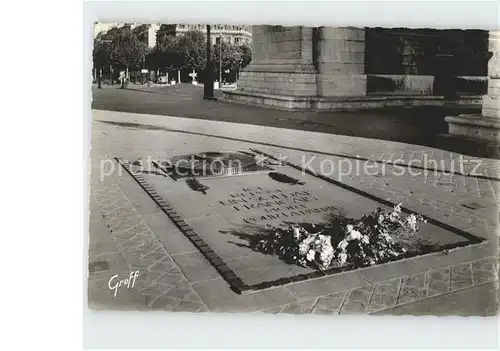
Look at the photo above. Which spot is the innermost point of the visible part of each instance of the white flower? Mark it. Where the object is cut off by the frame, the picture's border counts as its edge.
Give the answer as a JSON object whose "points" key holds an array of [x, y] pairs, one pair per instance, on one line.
{"points": [[310, 255], [342, 258], [381, 219], [397, 208], [412, 222], [343, 244], [387, 237], [372, 262], [355, 235], [296, 232], [305, 245], [326, 254], [365, 239], [393, 216], [349, 228]]}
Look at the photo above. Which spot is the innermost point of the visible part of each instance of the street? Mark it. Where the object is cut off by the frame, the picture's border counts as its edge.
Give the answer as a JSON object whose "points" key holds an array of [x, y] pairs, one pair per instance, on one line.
{"points": [[420, 126]]}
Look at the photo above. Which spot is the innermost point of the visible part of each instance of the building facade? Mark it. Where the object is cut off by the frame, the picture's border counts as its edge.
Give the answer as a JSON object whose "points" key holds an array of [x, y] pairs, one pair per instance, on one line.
{"points": [[234, 34], [150, 30]]}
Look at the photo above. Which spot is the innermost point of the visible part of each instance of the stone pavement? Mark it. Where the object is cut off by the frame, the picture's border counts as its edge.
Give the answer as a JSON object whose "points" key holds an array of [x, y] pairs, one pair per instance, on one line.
{"points": [[161, 284], [178, 278]]}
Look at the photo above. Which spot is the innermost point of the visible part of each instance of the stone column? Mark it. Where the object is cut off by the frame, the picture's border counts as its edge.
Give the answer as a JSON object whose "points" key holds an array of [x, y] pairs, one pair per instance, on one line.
{"points": [[341, 62], [491, 101], [282, 62], [485, 127]]}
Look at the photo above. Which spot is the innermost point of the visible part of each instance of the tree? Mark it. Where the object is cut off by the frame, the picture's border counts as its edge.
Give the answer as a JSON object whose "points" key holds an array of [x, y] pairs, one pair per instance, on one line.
{"points": [[246, 55], [165, 30], [141, 32], [192, 46], [231, 58], [101, 53], [101, 57], [167, 53], [126, 50]]}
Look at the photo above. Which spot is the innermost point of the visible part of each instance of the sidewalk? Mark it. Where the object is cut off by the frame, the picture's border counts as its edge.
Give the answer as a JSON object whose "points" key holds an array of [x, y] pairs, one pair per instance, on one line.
{"points": [[435, 279], [321, 143]]}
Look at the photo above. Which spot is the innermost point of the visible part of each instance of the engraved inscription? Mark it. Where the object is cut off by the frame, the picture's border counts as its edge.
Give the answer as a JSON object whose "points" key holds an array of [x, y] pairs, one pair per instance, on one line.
{"points": [[272, 204]]}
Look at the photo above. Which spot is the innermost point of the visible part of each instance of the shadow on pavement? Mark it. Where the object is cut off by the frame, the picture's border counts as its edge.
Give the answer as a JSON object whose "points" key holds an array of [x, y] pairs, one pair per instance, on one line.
{"points": [[423, 126]]}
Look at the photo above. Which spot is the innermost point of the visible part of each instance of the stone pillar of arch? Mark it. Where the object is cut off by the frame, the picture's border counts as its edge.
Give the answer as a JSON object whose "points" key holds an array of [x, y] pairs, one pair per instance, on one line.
{"points": [[302, 68], [340, 61], [486, 126], [282, 65]]}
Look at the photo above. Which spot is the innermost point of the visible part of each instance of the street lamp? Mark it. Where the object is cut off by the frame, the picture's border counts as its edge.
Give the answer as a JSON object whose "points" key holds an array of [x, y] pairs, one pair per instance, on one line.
{"points": [[208, 86], [220, 59]]}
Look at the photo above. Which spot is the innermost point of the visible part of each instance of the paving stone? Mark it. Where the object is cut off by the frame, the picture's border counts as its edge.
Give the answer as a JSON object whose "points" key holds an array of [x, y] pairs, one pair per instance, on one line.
{"points": [[174, 279], [163, 265], [121, 226], [385, 294], [171, 237], [484, 270], [193, 297], [273, 310], [195, 266], [327, 285], [329, 304], [438, 282], [137, 263], [156, 289], [203, 308], [301, 307], [101, 297], [107, 265], [218, 297], [179, 293], [166, 303], [479, 300], [154, 275], [357, 300], [412, 288], [453, 257], [120, 216], [461, 276], [134, 228], [100, 239], [387, 271], [140, 244], [188, 306], [116, 204], [157, 255]]}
